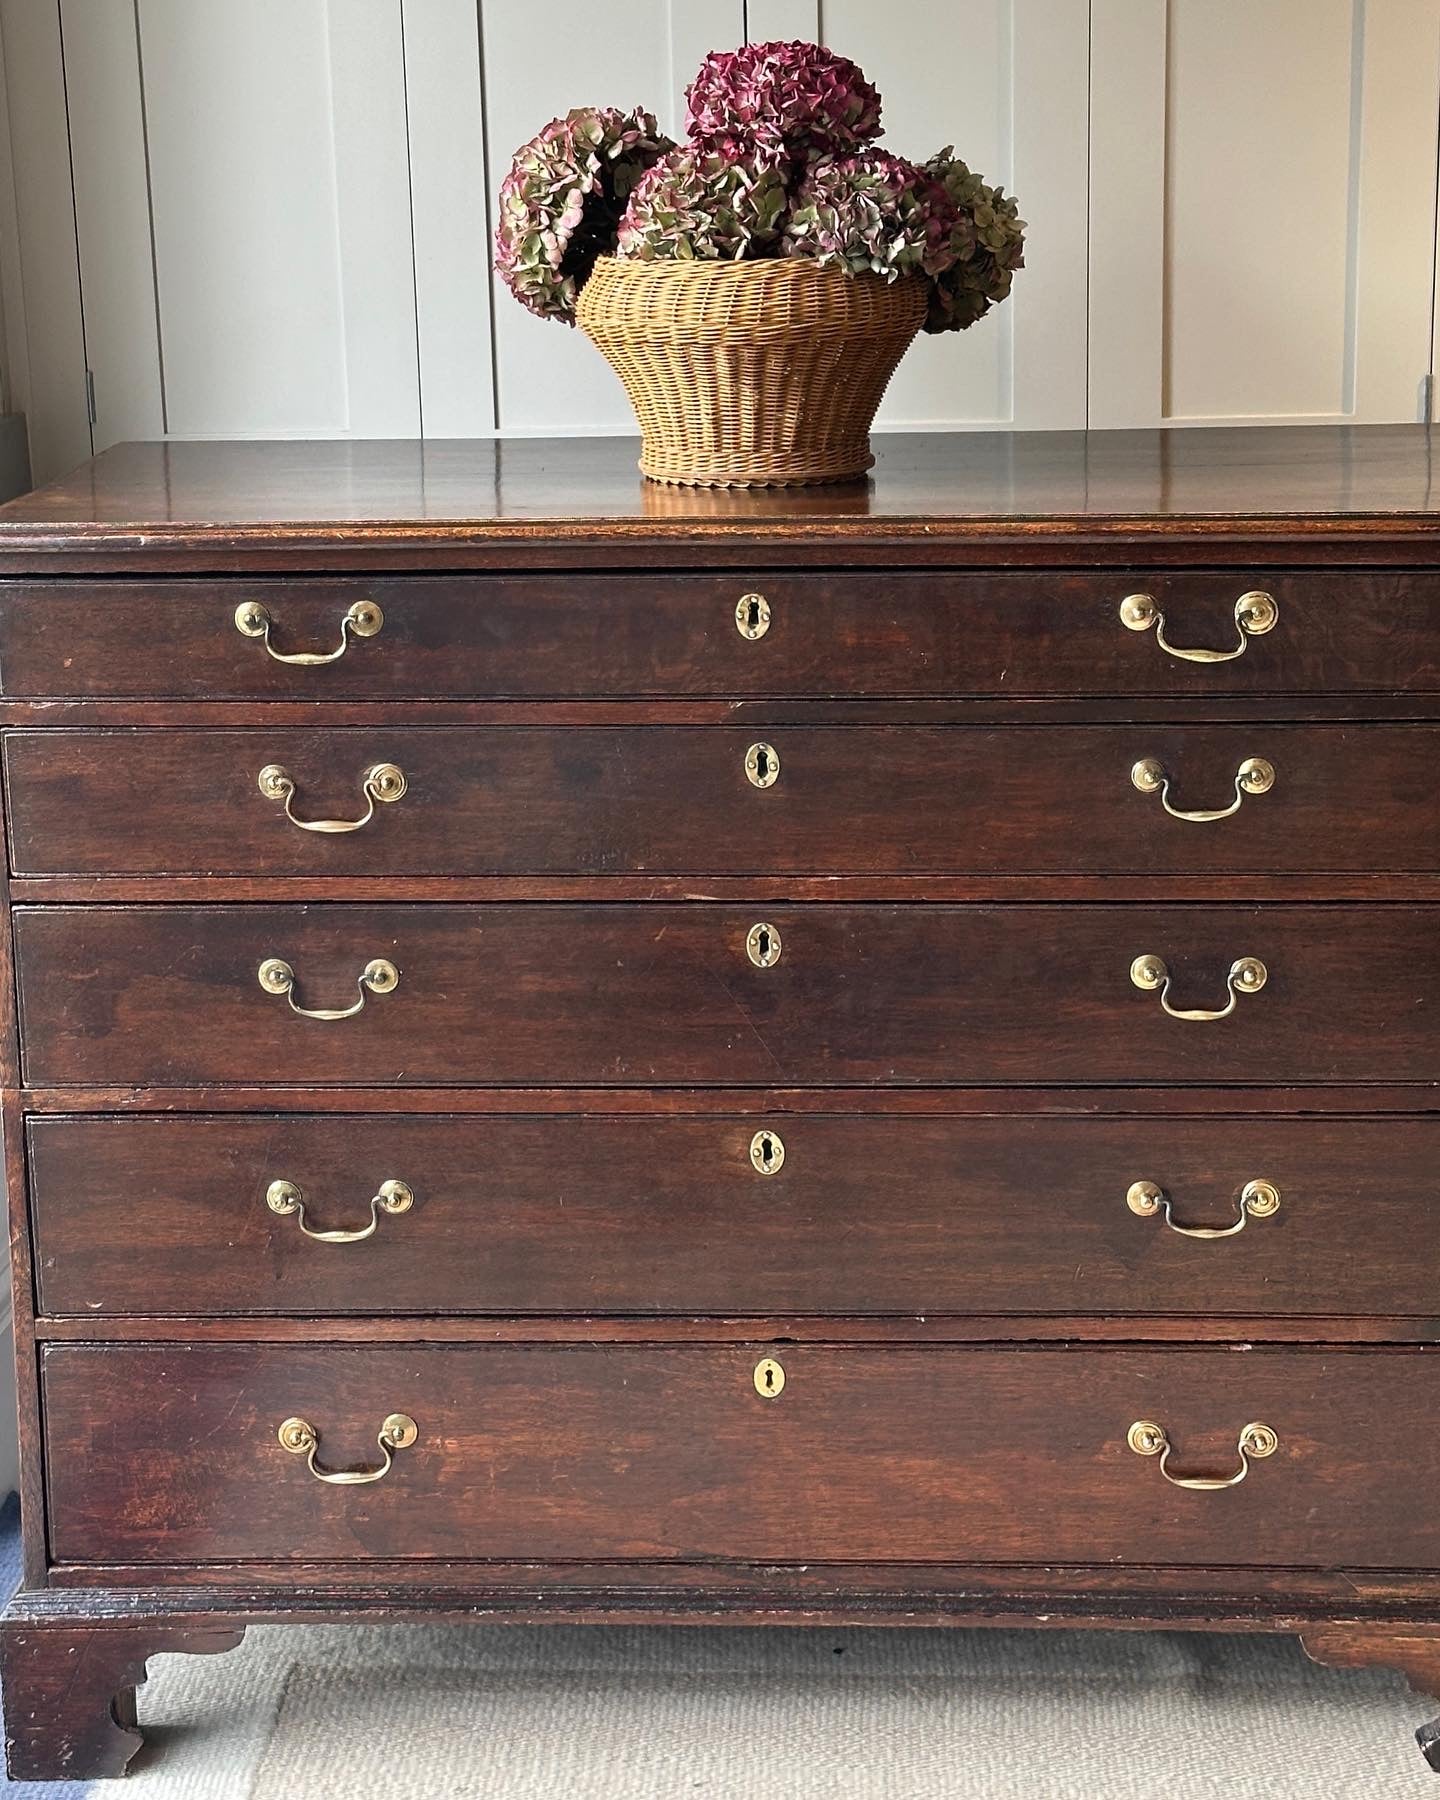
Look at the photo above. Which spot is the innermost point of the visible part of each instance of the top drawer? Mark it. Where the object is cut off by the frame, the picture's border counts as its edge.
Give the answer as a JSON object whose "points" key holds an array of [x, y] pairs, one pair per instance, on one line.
{"points": [[1018, 634]]}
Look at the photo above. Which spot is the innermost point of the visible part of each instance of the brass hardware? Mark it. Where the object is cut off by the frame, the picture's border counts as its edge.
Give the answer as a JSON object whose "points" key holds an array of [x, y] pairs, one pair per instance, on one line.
{"points": [[1247, 976], [769, 1378], [363, 620], [284, 1198], [382, 781], [1258, 1200], [762, 765], [398, 1432], [377, 977], [752, 616], [767, 1152], [1146, 1438], [762, 946], [1254, 776], [1255, 614]]}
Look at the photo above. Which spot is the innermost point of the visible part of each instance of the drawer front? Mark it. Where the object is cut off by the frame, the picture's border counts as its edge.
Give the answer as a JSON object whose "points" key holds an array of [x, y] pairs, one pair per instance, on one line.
{"points": [[576, 801], [635, 1215], [171, 1454], [1041, 632], [651, 995]]}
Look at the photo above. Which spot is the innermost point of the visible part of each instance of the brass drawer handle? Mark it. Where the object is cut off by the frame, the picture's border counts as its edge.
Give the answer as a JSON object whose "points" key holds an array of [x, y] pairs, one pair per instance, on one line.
{"points": [[1258, 1200], [1255, 614], [377, 977], [382, 781], [300, 1438], [363, 619], [284, 1198], [1146, 1438], [1247, 976], [1254, 776]]}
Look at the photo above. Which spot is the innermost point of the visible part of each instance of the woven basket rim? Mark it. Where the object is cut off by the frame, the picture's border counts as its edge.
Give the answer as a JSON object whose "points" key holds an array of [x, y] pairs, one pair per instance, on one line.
{"points": [[760, 268]]}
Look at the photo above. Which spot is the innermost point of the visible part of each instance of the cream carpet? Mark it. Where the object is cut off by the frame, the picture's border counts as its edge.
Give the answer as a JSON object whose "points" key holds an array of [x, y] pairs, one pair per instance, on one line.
{"points": [[575, 1713]]}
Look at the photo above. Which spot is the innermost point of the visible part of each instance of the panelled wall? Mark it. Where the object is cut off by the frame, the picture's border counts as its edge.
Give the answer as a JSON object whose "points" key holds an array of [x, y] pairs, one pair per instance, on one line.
{"points": [[270, 217]]}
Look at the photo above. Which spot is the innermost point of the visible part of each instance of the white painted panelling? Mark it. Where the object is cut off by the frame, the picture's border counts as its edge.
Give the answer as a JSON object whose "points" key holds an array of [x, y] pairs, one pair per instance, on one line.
{"points": [[278, 163], [112, 218], [1020, 119], [784, 20], [452, 216], [1263, 210], [44, 328], [551, 379]]}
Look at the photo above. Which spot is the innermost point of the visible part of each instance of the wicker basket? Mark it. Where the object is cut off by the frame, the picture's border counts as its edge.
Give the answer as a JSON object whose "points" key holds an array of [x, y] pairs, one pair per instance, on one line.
{"points": [[751, 374]]}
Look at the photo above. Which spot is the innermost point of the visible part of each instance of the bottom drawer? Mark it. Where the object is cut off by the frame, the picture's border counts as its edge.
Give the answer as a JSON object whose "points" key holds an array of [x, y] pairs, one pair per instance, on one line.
{"points": [[170, 1454]]}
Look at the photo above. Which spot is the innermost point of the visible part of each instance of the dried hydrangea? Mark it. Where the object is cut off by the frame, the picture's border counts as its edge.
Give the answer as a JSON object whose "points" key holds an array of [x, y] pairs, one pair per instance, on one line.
{"points": [[561, 203], [988, 244], [792, 98], [873, 213], [699, 204]]}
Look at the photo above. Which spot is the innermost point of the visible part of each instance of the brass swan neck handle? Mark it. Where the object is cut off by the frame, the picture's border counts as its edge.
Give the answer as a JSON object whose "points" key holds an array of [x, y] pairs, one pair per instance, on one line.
{"points": [[377, 977], [1255, 613], [362, 620], [1247, 976], [300, 1438], [286, 1200], [1254, 776], [382, 781], [1255, 1442]]}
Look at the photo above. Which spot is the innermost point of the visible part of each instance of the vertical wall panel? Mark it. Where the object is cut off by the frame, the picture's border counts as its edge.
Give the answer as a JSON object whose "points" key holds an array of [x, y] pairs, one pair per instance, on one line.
{"points": [[550, 379], [112, 218], [43, 315], [449, 184], [279, 181], [1019, 118], [1271, 257]]}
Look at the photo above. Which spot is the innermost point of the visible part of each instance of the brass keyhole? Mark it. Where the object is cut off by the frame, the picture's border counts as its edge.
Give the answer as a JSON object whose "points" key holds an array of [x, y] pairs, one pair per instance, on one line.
{"points": [[769, 1378], [762, 946], [752, 616], [762, 765], [767, 1152]]}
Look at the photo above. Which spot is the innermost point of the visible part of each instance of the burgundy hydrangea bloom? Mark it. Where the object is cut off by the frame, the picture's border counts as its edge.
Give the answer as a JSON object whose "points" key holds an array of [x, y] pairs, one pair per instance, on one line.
{"points": [[873, 213], [795, 98], [697, 204], [560, 205]]}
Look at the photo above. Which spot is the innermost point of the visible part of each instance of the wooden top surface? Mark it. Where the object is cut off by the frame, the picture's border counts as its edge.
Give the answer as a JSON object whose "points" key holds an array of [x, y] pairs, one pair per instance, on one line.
{"points": [[293, 502]]}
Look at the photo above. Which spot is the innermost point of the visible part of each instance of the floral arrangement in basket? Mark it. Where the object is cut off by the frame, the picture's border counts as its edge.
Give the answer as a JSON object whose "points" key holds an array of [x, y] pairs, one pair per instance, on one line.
{"points": [[756, 286]]}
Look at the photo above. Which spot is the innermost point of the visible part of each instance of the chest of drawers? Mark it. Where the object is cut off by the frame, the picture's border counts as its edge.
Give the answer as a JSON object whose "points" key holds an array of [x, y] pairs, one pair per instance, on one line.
{"points": [[577, 1052]]}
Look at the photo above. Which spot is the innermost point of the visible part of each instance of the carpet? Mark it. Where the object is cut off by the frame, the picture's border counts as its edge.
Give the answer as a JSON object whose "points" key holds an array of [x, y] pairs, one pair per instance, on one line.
{"points": [[532, 1713]]}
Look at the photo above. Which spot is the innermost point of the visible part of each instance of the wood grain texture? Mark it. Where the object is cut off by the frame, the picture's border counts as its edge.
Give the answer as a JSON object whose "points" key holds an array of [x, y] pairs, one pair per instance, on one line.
{"points": [[1318, 494], [596, 636], [846, 799], [660, 996], [641, 1453], [661, 1217]]}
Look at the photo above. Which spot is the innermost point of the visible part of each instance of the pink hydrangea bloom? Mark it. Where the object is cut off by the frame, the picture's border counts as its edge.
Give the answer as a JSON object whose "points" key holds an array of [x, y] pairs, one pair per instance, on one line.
{"points": [[696, 204], [873, 213], [793, 97], [560, 205], [988, 245]]}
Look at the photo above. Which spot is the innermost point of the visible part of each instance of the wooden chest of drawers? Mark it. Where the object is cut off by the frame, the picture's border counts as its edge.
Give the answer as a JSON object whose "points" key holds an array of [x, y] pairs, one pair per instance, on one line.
{"points": [[577, 1051]]}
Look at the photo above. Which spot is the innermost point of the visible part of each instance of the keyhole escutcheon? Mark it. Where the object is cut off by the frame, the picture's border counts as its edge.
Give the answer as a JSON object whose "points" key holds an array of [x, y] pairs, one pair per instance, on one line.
{"points": [[767, 1152], [762, 765], [752, 616], [769, 1378], [762, 945]]}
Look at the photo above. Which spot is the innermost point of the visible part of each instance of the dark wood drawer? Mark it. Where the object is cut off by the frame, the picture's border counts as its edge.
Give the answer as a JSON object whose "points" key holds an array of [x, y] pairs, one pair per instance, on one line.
{"points": [[1043, 632], [636, 1215], [171, 1454], [665, 995], [846, 799]]}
